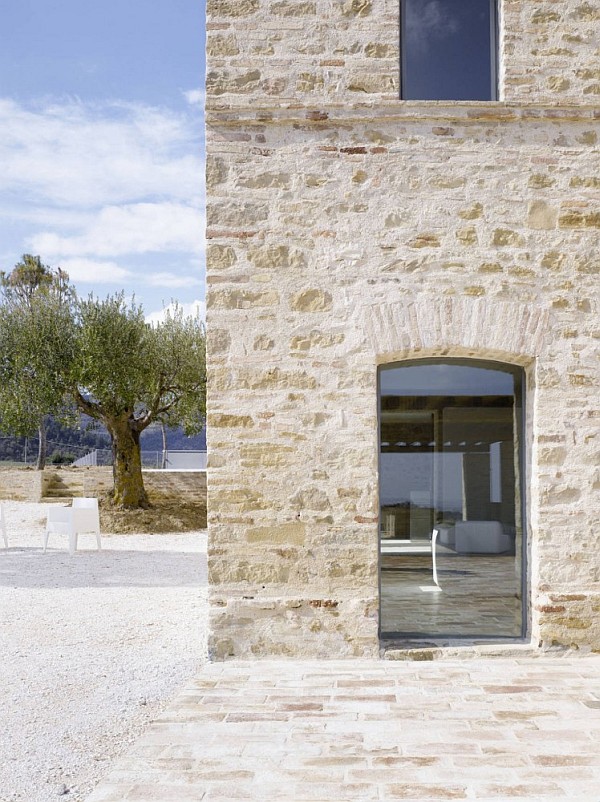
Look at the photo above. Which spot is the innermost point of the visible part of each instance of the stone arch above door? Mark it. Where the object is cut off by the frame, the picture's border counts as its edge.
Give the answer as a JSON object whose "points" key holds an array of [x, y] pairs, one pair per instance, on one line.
{"points": [[429, 326]]}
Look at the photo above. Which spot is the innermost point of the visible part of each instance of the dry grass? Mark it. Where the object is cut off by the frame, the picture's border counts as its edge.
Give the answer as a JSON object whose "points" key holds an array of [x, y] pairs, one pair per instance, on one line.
{"points": [[167, 514]]}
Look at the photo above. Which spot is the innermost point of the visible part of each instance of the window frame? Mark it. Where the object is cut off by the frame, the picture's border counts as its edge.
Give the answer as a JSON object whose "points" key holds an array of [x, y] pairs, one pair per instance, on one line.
{"points": [[494, 57]]}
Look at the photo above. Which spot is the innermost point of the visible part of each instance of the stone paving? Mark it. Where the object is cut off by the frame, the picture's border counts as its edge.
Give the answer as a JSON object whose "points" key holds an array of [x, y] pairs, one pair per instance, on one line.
{"points": [[525, 727]]}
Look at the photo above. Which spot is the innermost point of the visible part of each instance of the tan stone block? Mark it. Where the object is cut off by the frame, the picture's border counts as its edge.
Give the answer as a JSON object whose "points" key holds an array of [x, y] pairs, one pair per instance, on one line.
{"points": [[220, 257], [593, 182], [472, 212], [393, 220], [467, 236], [216, 171], [263, 343], [578, 219], [292, 8], [222, 420], [554, 260], [241, 299], [275, 256], [219, 45], [218, 341], [587, 12], [377, 50], [357, 8], [541, 215], [266, 181], [309, 82], [236, 213], [231, 8], [219, 82], [266, 455], [293, 532], [504, 237], [425, 241], [312, 300], [374, 83], [541, 181], [310, 498], [277, 379], [557, 83], [490, 267], [316, 339], [447, 182], [540, 17]]}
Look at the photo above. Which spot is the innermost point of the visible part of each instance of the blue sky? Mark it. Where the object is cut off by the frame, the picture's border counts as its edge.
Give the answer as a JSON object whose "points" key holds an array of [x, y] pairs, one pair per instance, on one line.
{"points": [[101, 143]]}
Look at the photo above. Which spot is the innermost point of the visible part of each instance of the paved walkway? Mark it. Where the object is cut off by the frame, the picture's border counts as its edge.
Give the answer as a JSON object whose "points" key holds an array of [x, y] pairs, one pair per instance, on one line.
{"points": [[524, 728]]}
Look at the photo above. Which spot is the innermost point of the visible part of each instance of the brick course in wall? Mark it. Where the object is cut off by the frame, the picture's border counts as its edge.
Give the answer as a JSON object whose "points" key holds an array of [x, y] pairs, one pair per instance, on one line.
{"points": [[347, 229]]}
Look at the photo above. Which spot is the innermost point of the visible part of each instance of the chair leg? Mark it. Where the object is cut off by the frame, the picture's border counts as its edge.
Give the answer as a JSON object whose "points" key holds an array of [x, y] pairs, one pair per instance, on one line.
{"points": [[46, 533], [72, 542], [4, 535], [98, 540]]}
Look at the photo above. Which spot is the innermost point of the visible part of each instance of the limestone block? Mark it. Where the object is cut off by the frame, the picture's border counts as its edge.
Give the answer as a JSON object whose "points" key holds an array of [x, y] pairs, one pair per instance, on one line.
{"points": [[541, 215], [312, 300]]}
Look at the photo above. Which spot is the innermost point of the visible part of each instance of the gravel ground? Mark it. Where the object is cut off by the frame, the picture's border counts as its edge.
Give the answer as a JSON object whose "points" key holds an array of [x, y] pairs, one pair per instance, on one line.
{"points": [[92, 647]]}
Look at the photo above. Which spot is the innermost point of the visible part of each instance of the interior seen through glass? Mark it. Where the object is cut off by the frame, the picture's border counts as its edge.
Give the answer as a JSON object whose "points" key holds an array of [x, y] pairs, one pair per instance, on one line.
{"points": [[451, 539]]}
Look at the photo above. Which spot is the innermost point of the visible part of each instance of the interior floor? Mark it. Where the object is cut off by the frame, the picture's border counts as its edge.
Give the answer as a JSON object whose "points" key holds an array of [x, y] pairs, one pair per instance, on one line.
{"points": [[480, 595]]}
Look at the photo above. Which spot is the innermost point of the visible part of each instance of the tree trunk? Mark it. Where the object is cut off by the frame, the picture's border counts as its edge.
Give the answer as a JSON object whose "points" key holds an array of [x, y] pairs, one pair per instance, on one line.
{"points": [[41, 459], [129, 489]]}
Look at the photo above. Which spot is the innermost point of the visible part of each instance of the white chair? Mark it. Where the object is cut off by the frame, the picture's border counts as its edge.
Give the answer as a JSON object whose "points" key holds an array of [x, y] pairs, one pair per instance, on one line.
{"points": [[434, 536], [82, 517], [481, 537], [3, 527]]}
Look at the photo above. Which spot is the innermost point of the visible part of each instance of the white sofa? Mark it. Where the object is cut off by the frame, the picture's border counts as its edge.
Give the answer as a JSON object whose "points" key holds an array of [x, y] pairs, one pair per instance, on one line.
{"points": [[481, 537]]}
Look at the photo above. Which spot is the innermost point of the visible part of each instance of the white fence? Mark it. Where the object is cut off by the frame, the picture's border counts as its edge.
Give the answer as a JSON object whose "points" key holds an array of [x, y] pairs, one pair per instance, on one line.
{"points": [[170, 460]]}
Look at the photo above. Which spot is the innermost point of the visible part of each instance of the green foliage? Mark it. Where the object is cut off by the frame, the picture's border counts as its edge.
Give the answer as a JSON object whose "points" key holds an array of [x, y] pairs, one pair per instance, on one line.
{"points": [[36, 345], [126, 367], [58, 353]]}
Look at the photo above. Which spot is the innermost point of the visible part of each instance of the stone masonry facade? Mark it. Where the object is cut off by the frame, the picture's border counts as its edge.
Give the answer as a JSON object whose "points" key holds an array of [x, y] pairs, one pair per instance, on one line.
{"points": [[348, 229]]}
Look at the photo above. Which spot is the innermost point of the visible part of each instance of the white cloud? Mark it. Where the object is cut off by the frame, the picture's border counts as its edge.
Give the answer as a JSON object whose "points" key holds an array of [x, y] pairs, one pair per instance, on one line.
{"points": [[429, 21], [89, 271], [195, 97], [128, 229], [193, 309], [173, 280], [111, 192], [93, 155]]}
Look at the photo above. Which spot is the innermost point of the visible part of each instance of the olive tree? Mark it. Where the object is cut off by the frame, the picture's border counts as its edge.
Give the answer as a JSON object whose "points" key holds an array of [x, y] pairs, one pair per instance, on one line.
{"points": [[36, 347], [127, 374]]}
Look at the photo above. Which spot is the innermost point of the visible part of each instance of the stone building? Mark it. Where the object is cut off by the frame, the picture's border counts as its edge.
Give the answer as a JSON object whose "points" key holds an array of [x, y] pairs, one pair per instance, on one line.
{"points": [[403, 326]]}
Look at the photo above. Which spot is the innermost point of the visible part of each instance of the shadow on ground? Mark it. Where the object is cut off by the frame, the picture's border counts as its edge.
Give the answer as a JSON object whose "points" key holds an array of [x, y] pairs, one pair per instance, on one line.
{"points": [[29, 567]]}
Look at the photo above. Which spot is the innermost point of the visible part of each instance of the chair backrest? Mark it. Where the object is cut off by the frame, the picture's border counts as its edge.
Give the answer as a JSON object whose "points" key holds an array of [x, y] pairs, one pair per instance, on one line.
{"points": [[59, 514], [85, 503]]}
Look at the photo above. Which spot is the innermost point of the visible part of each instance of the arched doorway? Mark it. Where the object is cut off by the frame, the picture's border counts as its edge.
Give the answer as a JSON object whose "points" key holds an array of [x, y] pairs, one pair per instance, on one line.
{"points": [[452, 545]]}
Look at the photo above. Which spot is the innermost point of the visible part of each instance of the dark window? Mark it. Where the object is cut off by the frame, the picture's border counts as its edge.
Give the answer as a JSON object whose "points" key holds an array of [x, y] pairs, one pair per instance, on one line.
{"points": [[448, 49], [451, 468]]}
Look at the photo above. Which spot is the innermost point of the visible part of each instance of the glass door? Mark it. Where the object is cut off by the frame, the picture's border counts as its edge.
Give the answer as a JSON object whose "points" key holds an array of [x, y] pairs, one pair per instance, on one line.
{"points": [[451, 509]]}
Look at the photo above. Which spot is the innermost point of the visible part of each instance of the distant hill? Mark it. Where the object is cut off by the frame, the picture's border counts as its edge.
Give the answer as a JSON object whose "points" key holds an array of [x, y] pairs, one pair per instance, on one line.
{"points": [[66, 444]]}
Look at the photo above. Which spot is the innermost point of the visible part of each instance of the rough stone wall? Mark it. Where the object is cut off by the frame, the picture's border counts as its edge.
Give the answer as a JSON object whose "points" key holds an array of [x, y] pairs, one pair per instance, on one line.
{"points": [[342, 51], [20, 484], [347, 229], [29, 485]]}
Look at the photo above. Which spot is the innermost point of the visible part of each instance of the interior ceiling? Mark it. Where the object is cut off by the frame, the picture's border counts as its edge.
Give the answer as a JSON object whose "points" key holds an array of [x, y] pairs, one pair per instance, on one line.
{"points": [[444, 423]]}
